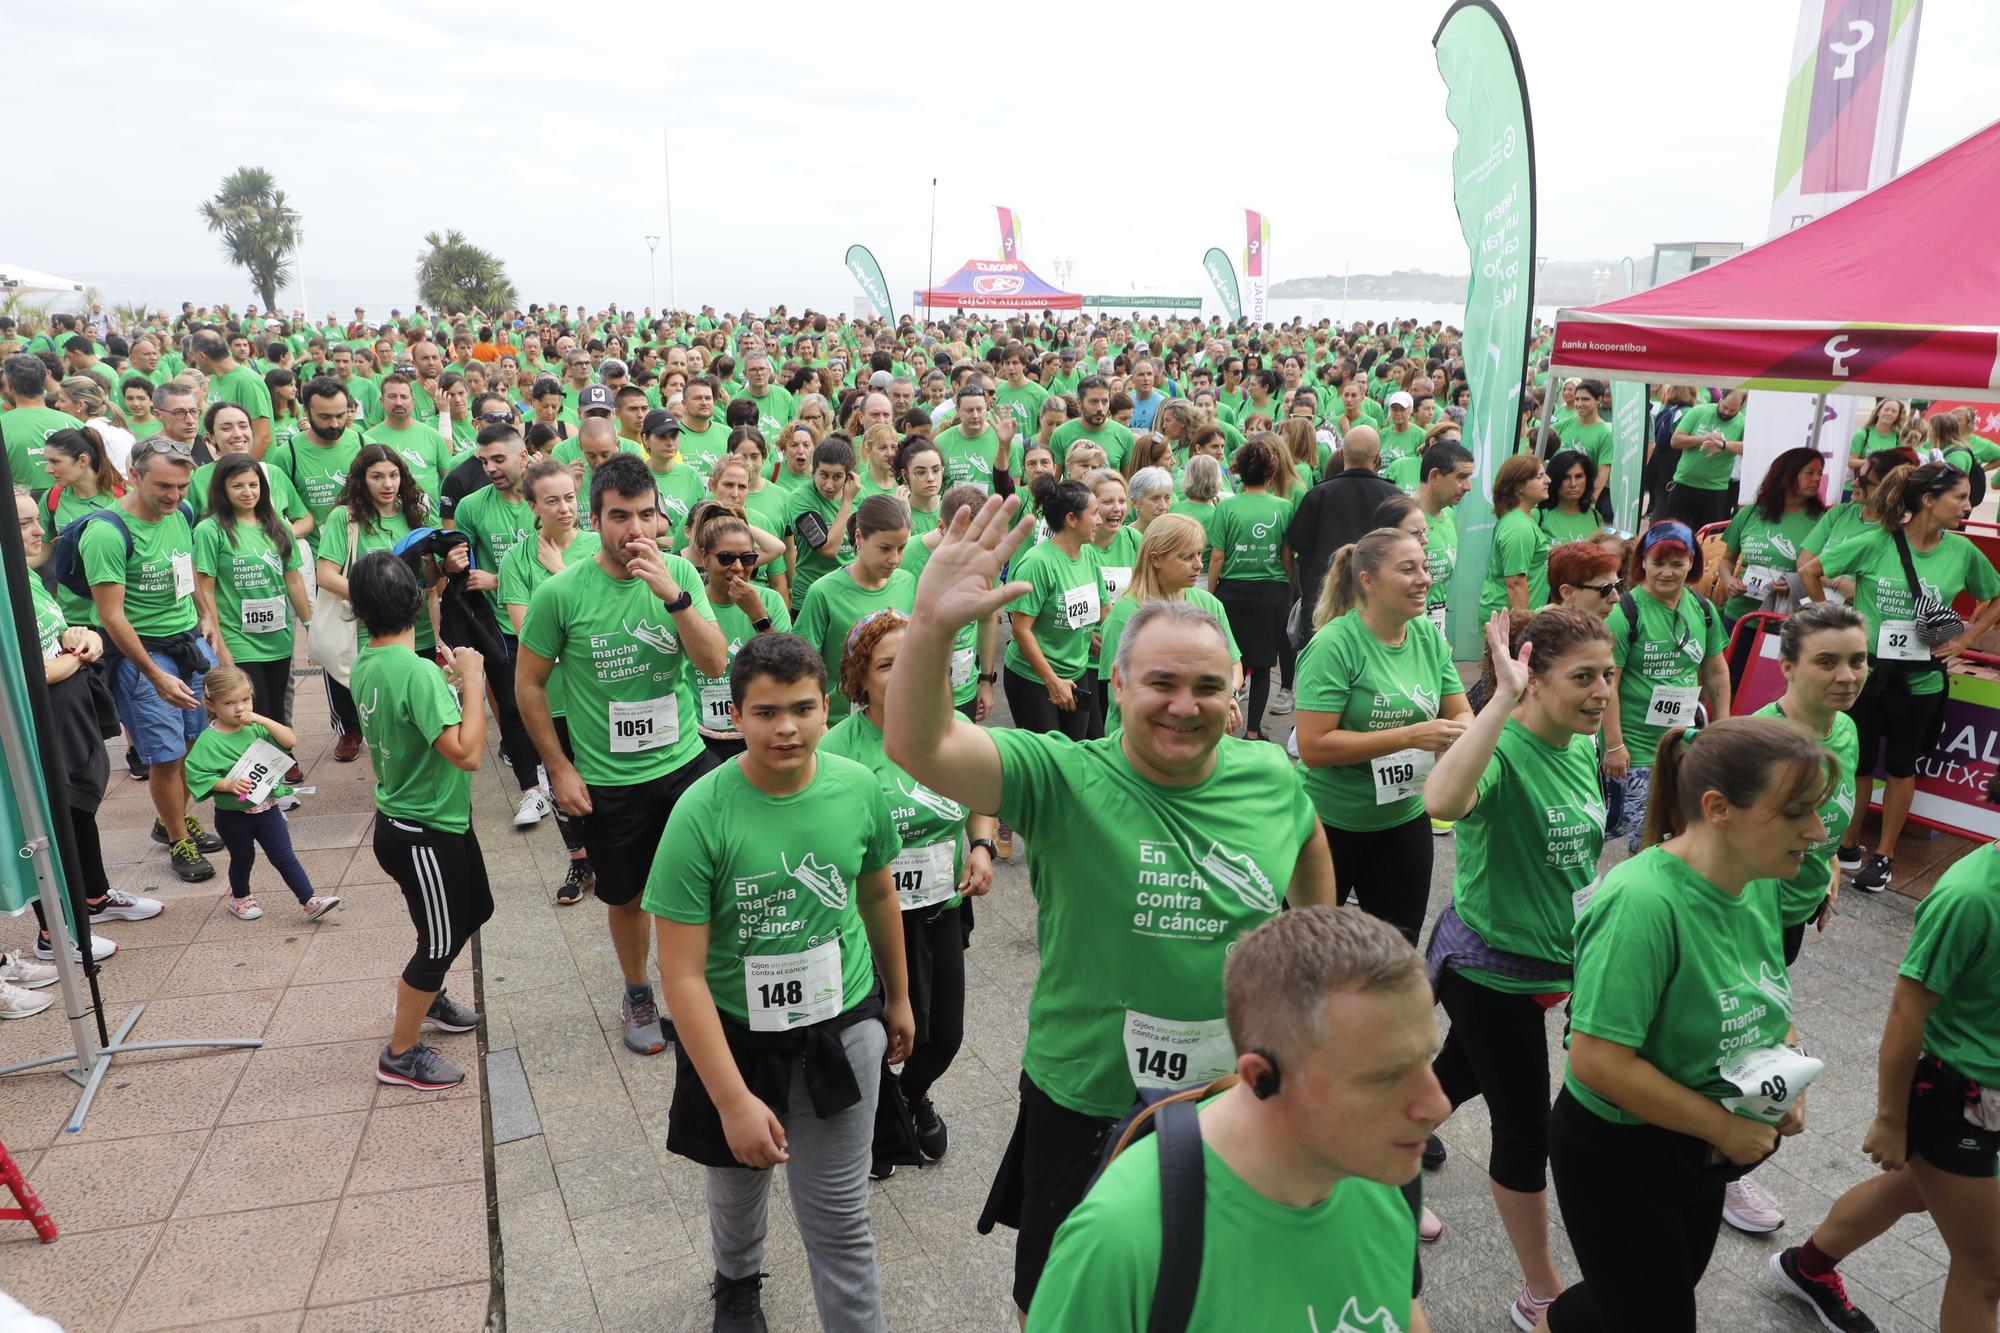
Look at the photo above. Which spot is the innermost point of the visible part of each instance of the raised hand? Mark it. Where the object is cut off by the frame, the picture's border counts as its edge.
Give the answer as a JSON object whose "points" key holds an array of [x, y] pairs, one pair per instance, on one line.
{"points": [[957, 585]]}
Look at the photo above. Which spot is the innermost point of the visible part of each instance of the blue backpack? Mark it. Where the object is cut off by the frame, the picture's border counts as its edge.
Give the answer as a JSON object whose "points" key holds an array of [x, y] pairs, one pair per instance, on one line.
{"points": [[67, 566]]}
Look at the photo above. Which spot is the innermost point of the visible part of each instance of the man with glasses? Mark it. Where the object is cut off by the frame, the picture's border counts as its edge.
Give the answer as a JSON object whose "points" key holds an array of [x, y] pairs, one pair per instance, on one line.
{"points": [[577, 372], [774, 402]]}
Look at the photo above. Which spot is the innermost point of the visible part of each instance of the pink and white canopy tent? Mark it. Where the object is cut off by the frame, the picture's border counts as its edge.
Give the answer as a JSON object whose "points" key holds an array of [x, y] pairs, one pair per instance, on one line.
{"points": [[1896, 294], [996, 284]]}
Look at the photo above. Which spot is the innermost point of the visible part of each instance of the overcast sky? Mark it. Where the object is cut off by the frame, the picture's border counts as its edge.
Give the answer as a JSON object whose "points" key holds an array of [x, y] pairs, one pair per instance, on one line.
{"points": [[1128, 139]]}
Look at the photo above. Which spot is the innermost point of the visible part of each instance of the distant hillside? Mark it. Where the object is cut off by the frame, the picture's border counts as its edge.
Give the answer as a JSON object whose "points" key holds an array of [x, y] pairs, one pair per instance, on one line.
{"points": [[1561, 282]]}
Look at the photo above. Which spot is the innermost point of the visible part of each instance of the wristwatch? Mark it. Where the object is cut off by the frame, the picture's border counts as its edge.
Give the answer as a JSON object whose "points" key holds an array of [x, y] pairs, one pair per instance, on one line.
{"points": [[992, 852], [680, 603], [989, 677], [761, 625]]}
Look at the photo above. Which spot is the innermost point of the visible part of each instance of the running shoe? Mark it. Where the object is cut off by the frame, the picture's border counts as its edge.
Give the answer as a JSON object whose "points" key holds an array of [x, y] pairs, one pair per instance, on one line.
{"points": [[1441, 828], [420, 1067], [100, 948], [1281, 703], [1875, 875], [534, 808], [319, 905], [1003, 838], [294, 775], [189, 863], [138, 769], [644, 1031], [203, 839], [739, 1304], [879, 1170], [1749, 1207], [1429, 1227], [1434, 1153], [18, 1003], [348, 748], [116, 906], [244, 908], [1529, 1308], [448, 1015], [1827, 1295], [25, 972], [1849, 858], [931, 1136], [579, 881]]}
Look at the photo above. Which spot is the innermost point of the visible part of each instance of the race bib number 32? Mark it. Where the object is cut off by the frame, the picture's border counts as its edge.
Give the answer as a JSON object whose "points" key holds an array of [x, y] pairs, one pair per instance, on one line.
{"points": [[1898, 640]]}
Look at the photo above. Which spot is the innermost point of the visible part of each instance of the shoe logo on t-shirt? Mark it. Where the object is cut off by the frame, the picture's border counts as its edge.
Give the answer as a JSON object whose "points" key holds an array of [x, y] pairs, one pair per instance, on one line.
{"points": [[822, 881], [942, 806], [659, 637], [1240, 875], [1353, 1321], [1783, 545]]}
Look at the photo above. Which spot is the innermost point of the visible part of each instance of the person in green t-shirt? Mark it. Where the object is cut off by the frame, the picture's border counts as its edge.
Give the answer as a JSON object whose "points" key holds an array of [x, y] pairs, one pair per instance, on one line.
{"points": [[424, 753], [422, 449], [1882, 431], [1517, 569], [1046, 676], [1095, 425], [1709, 437], [976, 443], [1321, 1002], [725, 549], [1403, 437], [1379, 699], [1151, 855], [1667, 642], [1566, 515], [947, 857], [632, 627], [1902, 716], [1166, 568], [227, 430], [1936, 1134], [816, 518], [1767, 535], [231, 382], [781, 951], [28, 421], [1521, 787], [1680, 1075], [1250, 572], [872, 582], [248, 585], [1589, 434]]}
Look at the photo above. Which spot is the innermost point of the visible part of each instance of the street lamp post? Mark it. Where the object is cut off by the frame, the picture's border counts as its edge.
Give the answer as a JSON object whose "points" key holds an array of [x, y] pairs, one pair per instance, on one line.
{"points": [[653, 261]]}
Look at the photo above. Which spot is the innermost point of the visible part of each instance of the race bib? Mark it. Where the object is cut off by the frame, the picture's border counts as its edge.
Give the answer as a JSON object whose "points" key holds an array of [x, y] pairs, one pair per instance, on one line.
{"points": [[183, 564], [1897, 640], [263, 615], [715, 707], [1401, 775], [1581, 898], [922, 875], [648, 724], [1757, 580], [1117, 578], [789, 990], [1079, 607], [263, 763], [1672, 705], [1769, 1080], [1176, 1053], [1436, 615], [964, 661]]}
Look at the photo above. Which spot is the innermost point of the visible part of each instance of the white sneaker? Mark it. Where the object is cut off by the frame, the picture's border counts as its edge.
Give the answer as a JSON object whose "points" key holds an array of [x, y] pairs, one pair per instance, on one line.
{"points": [[17, 1003], [243, 909], [1281, 703], [100, 949], [534, 808], [25, 973], [126, 907], [1748, 1207]]}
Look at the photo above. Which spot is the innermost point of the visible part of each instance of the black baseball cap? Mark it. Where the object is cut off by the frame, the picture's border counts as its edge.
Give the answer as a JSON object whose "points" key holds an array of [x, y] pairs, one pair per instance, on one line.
{"points": [[659, 421], [594, 398]]}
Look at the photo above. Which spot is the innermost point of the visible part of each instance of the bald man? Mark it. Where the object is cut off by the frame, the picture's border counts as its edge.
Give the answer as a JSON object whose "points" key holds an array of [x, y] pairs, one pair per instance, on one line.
{"points": [[1339, 510]]}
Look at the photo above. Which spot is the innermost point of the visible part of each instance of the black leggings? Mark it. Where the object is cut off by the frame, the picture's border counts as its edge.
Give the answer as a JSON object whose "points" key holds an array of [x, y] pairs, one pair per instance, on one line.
{"points": [[270, 688], [1642, 1213], [1028, 701], [570, 828], [346, 721], [242, 834], [1498, 1048], [1389, 870], [443, 878], [89, 869], [514, 738], [938, 933]]}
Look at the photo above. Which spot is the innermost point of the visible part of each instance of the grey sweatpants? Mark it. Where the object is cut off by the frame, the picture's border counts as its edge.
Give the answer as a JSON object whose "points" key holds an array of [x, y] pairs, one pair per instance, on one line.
{"points": [[828, 1180]]}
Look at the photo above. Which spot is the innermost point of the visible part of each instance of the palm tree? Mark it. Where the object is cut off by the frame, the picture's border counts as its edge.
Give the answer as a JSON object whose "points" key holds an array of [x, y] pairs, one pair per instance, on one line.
{"points": [[455, 276], [259, 233]]}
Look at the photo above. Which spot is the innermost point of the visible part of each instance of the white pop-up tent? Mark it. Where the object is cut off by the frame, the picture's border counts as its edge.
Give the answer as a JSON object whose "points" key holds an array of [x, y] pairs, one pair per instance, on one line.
{"points": [[32, 281]]}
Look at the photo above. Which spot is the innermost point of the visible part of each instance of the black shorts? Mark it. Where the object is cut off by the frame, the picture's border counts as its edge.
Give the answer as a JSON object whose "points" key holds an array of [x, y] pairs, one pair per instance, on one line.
{"points": [[624, 828], [1043, 1176], [1939, 1131], [1890, 720]]}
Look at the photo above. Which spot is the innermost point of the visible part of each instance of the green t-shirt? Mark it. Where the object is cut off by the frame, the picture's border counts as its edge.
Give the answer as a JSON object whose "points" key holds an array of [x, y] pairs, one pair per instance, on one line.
{"points": [[769, 874], [1800, 896], [1594, 442], [681, 489], [521, 572], [1528, 847], [1345, 669], [1114, 630], [1066, 601], [405, 705], [1441, 558], [1865, 442], [1685, 974], [775, 411], [1142, 892], [495, 525], [628, 685], [1660, 678], [1697, 467], [71, 506], [1346, 1260], [381, 535], [1954, 953], [1835, 526], [244, 387], [1402, 474], [704, 448], [738, 628], [832, 608], [1520, 546], [1249, 530], [23, 431], [808, 522], [1563, 526], [927, 871], [211, 757], [1025, 403], [1405, 443], [317, 472], [426, 452], [1116, 560], [285, 501], [49, 620], [251, 605], [968, 461], [158, 577], [1766, 549], [1114, 439], [1882, 591], [1202, 513]]}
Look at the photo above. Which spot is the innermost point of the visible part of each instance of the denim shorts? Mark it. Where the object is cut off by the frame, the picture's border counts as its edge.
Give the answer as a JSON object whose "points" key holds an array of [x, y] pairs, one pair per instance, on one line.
{"points": [[161, 733]]}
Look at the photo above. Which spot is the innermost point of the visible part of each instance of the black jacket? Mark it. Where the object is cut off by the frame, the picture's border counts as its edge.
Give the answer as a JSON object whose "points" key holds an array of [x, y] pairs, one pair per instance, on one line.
{"points": [[1339, 510]]}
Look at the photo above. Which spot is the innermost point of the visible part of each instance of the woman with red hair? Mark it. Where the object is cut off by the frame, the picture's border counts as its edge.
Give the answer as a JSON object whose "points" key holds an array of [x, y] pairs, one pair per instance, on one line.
{"points": [[1583, 576]]}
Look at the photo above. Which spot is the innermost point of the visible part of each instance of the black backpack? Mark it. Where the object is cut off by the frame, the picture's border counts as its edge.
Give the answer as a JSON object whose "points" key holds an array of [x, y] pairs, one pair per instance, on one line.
{"points": [[67, 564], [1631, 610]]}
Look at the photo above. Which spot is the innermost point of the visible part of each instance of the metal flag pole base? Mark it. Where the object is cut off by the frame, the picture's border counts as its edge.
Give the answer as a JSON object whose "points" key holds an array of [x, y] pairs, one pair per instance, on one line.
{"points": [[92, 1077]]}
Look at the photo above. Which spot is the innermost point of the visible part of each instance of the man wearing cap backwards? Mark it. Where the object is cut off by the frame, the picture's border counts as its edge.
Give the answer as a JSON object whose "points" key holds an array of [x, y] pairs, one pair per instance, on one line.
{"points": [[681, 485], [1403, 438]]}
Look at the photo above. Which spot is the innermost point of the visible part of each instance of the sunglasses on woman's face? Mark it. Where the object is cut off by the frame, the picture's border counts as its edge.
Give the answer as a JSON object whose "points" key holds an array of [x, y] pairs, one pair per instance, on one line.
{"points": [[747, 559], [1605, 590]]}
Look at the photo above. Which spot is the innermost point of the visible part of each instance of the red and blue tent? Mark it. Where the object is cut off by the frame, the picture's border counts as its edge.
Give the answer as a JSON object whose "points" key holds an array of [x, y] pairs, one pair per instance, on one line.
{"points": [[996, 284]]}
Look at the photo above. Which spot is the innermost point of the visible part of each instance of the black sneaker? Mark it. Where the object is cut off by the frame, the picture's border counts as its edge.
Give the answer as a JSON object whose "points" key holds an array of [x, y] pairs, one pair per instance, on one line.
{"points": [[1849, 858], [1827, 1295], [1875, 875], [739, 1304], [580, 880], [204, 841], [448, 1015], [420, 1067], [880, 1170], [931, 1137], [189, 863], [1434, 1153], [140, 771]]}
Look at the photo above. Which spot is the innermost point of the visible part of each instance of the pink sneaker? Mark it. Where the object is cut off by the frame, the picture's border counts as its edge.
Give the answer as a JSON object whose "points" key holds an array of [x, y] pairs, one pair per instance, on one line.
{"points": [[1748, 1207], [1429, 1227], [319, 905], [244, 909], [1529, 1308]]}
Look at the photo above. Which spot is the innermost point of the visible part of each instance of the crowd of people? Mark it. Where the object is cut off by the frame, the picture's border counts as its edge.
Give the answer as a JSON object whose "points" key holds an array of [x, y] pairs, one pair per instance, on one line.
{"points": [[738, 591]]}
